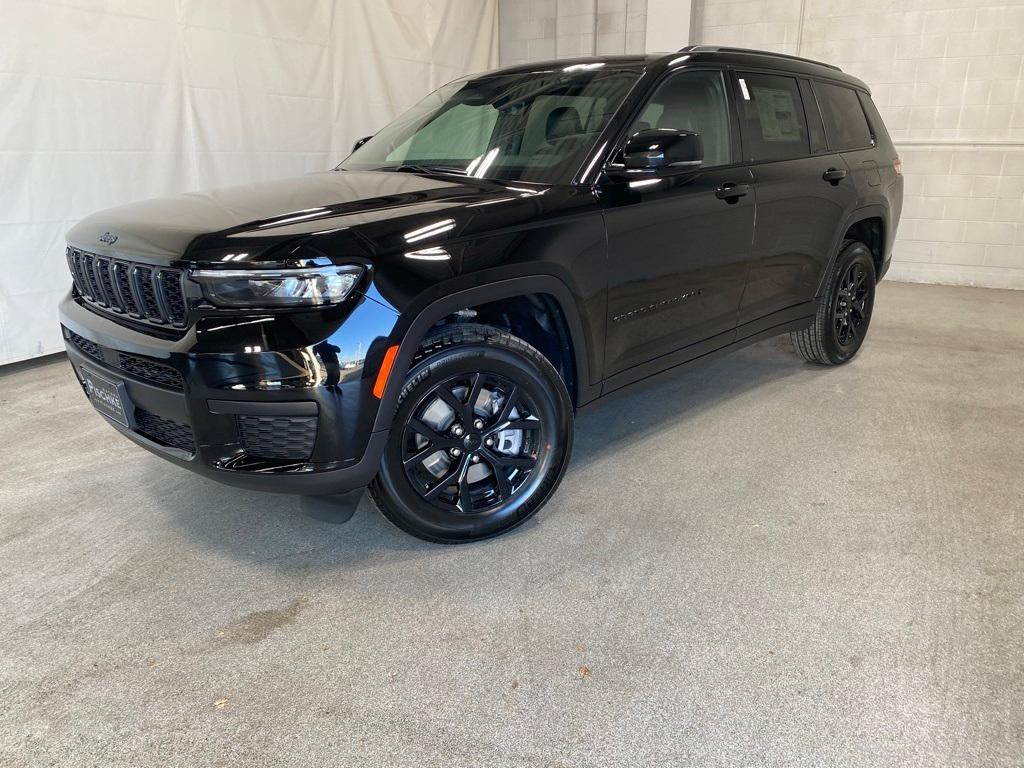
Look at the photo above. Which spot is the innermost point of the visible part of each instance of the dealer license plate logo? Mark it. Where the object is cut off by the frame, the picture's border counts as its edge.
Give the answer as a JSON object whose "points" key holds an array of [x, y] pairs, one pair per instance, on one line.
{"points": [[105, 396]]}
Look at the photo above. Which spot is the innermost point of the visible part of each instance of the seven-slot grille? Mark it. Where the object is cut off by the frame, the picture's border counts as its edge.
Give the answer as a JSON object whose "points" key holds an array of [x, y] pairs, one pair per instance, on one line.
{"points": [[140, 291]]}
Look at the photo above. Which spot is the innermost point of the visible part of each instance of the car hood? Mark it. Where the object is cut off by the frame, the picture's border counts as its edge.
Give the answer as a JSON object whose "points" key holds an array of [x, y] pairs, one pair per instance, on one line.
{"points": [[187, 225]]}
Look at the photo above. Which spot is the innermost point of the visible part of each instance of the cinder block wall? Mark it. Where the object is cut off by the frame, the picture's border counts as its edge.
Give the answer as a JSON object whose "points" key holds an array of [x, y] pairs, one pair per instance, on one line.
{"points": [[533, 30], [946, 75]]}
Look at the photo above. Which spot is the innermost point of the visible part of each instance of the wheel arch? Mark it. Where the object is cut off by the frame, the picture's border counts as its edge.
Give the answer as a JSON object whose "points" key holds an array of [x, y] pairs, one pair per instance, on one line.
{"points": [[871, 221], [547, 286]]}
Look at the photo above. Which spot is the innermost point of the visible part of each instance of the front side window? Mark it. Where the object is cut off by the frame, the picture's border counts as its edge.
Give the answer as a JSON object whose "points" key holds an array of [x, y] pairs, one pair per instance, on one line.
{"points": [[845, 123], [535, 127], [692, 101], [773, 117]]}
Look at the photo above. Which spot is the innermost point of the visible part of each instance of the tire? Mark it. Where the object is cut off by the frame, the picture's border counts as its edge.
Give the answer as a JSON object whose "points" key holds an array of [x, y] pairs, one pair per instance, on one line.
{"points": [[841, 322], [465, 383]]}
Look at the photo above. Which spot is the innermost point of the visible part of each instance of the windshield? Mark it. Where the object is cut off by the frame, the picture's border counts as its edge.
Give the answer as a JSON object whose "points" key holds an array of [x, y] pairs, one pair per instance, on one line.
{"points": [[534, 127]]}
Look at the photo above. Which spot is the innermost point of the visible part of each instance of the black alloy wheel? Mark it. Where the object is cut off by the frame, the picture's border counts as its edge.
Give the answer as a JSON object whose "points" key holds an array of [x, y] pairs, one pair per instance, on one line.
{"points": [[472, 442], [850, 311], [480, 439], [844, 311]]}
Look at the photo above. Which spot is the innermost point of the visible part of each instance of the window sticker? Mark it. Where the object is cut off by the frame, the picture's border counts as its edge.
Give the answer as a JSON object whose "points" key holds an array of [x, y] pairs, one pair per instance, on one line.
{"points": [[743, 87], [777, 113]]}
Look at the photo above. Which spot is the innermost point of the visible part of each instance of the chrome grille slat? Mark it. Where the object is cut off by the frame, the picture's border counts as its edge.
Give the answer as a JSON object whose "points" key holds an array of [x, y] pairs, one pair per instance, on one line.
{"points": [[90, 278], [146, 293], [133, 283], [94, 266], [158, 294], [172, 303], [69, 253], [79, 272], [124, 288], [105, 284]]}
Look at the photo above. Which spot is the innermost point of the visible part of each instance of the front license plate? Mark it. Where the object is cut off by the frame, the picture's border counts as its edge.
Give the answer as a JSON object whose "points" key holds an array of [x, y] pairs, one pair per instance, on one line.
{"points": [[106, 395]]}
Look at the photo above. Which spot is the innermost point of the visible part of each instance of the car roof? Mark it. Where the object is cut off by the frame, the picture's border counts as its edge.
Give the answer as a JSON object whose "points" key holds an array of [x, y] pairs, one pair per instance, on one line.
{"points": [[712, 54]]}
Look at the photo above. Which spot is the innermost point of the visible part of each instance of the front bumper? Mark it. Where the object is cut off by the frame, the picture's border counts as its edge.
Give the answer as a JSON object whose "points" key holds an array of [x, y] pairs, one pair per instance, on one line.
{"points": [[244, 402]]}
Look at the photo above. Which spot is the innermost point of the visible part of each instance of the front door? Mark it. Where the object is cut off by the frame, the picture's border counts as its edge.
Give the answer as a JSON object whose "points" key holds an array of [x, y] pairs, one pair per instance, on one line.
{"points": [[678, 245]]}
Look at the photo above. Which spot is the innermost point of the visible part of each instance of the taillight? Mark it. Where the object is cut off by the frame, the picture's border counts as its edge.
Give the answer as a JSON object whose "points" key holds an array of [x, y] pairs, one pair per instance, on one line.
{"points": [[897, 165]]}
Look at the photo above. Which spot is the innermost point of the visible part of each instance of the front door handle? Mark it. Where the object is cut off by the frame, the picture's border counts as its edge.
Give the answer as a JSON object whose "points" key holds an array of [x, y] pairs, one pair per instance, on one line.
{"points": [[834, 175], [732, 192]]}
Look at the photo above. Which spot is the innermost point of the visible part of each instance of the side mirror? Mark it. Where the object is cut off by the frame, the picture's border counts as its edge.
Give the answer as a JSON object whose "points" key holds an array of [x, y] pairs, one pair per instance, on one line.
{"points": [[659, 148], [360, 142]]}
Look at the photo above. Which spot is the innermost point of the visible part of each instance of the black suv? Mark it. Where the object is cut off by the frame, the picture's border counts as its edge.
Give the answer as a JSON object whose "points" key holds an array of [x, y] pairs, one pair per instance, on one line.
{"points": [[425, 317]]}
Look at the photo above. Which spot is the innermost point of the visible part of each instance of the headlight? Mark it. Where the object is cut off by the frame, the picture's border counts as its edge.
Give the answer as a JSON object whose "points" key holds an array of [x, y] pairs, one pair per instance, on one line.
{"points": [[305, 287]]}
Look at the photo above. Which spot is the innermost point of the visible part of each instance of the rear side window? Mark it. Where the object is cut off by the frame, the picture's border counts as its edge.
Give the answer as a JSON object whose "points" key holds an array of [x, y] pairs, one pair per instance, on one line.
{"points": [[845, 123], [772, 116]]}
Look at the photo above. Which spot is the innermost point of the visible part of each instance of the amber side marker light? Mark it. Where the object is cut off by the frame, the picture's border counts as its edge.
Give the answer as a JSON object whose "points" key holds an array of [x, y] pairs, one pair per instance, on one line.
{"points": [[385, 371]]}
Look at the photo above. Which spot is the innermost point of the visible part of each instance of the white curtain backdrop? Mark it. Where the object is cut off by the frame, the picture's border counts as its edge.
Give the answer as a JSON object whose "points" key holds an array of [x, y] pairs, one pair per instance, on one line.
{"points": [[103, 102]]}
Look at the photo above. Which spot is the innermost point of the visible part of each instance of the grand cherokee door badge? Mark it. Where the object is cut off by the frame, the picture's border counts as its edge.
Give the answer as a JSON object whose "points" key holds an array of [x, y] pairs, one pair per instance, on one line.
{"points": [[656, 306]]}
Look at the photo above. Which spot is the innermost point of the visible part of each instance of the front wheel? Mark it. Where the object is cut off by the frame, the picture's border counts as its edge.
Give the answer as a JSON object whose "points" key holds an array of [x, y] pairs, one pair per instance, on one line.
{"points": [[844, 313], [480, 439]]}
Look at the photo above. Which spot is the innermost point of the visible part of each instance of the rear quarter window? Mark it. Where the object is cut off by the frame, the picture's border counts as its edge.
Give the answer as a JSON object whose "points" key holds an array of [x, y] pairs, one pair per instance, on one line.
{"points": [[878, 129], [845, 123]]}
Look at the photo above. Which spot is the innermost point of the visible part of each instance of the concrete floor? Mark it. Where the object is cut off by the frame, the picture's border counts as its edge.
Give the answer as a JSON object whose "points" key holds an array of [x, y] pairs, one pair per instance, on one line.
{"points": [[758, 562]]}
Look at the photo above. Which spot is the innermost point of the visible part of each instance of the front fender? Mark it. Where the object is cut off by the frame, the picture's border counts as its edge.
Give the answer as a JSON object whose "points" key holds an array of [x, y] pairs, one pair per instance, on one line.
{"points": [[411, 332]]}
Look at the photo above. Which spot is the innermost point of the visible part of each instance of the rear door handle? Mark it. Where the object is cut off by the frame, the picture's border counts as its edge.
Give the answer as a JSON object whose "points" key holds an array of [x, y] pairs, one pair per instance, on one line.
{"points": [[732, 192], [834, 175]]}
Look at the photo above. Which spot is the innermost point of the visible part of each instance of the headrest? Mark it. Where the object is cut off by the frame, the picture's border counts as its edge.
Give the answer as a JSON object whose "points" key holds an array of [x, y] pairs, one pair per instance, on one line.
{"points": [[689, 106], [562, 122]]}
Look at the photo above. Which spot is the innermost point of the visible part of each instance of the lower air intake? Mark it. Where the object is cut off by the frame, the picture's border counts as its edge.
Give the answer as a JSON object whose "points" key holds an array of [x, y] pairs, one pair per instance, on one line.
{"points": [[90, 348], [278, 437], [150, 370], [164, 431]]}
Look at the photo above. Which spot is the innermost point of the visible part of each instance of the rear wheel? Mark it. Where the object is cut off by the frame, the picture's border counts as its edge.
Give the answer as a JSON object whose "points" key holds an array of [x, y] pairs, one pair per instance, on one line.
{"points": [[480, 439], [844, 313]]}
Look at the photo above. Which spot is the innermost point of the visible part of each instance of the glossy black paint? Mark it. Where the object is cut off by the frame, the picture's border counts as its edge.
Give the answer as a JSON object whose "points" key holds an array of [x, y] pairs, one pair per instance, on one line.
{"points": [[647, 277], [678, 260], [663, 148]]}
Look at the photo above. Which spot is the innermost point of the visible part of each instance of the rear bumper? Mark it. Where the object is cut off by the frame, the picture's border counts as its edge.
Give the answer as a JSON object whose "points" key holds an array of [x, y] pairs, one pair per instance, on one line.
{"points": [[885, 267], [297, 420]]}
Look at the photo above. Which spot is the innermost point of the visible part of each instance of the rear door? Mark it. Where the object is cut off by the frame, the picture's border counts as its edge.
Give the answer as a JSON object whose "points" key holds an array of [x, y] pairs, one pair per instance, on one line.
{"points": [[849, 134], [803, 193]]}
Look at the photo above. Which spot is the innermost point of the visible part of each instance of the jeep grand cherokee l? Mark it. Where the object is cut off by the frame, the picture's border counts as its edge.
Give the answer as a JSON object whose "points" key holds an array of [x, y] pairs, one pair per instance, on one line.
{"points": [[426, 317]]}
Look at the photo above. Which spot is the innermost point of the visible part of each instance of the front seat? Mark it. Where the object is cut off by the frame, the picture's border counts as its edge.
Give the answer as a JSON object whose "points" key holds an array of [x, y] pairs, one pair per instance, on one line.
{"points": [[693, 106], [562, 122]]}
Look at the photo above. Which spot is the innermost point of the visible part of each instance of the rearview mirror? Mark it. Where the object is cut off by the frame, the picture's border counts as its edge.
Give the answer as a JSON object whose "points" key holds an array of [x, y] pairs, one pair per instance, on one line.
{"points": [[360, 142], [658, 148]]}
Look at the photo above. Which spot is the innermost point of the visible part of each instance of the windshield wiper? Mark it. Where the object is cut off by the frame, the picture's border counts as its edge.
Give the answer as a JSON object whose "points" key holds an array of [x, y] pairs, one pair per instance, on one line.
{"points": [[415, 168]]}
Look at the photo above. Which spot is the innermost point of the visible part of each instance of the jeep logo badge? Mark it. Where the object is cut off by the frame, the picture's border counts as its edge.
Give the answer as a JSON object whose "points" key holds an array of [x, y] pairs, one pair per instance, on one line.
{"points": [[108, 237]]}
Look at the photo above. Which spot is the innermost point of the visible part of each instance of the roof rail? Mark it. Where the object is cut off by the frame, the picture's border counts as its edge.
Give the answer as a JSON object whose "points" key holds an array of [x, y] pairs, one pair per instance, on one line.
{"points": [[726, 49]]}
